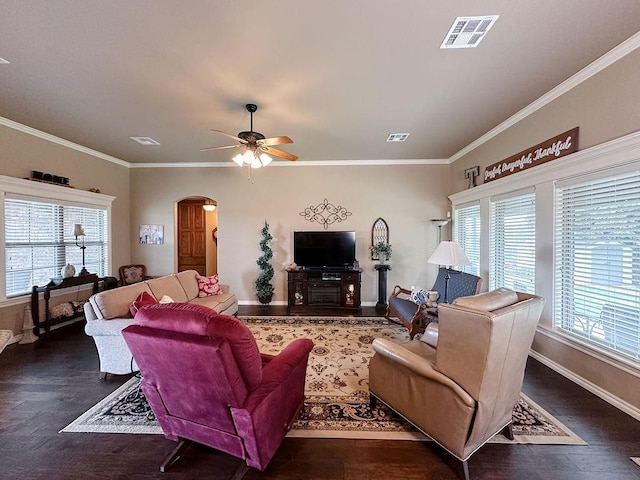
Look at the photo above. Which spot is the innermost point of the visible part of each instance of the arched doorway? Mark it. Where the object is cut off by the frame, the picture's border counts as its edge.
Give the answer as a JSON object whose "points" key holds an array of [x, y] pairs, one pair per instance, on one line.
{"points": [[197, 246]]}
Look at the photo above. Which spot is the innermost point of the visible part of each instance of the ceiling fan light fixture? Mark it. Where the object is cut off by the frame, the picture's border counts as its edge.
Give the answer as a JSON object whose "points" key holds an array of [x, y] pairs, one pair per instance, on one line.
{"points": [[238, 159], [265, 159], [256, 146]]}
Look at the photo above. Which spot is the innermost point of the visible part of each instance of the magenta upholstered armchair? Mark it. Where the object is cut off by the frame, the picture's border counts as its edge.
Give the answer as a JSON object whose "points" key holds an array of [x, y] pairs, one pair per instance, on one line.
{"points": [[207, 382]]}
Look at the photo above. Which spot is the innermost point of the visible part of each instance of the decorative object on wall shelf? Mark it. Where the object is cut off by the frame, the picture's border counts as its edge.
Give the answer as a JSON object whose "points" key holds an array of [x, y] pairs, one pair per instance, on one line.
{"points": [[564, 144], [49, 178], [68, 271], [379, 233], [471, 174], [325, 213], [151, 234], [264, 287]]}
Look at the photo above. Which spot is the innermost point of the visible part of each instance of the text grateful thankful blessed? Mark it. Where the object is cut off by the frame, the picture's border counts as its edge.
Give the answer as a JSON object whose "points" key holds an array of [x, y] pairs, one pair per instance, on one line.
{"points": [[556, 147]]}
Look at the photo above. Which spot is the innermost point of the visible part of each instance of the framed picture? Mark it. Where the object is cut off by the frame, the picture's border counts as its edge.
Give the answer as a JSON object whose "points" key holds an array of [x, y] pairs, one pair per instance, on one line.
{"points": [[151, 234]]}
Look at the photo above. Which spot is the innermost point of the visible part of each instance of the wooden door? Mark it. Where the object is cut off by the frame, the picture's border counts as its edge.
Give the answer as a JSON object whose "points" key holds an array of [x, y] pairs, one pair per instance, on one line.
{"points": [[192, 251]]}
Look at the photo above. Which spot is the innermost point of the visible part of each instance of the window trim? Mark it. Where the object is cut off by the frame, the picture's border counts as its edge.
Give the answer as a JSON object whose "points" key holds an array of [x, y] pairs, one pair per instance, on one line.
{"points": [[45, 192], [620, 154]]}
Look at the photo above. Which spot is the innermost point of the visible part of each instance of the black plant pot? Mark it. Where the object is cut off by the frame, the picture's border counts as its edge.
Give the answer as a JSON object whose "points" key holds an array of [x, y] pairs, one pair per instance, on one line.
{"points": [[266, 299]]}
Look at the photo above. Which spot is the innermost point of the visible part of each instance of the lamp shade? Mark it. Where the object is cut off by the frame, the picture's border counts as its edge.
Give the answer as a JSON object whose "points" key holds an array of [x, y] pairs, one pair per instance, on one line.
{"points": [[78, 231], [450, 254], [209, 205]]}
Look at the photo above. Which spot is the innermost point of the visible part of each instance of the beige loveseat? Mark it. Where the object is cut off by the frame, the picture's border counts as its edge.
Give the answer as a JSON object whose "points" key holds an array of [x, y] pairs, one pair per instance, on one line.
{"points": [[107, 313]]}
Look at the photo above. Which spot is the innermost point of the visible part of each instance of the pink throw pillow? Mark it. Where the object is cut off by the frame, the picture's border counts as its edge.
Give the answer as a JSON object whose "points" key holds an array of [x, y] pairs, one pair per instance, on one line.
{"points": [[208, 286], [143, 300]]}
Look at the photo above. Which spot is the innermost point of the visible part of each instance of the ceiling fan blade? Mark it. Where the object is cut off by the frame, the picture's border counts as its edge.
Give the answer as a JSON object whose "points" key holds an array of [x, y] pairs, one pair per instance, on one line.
{"points": [[279, 153], [219, 148], [275, 141], [229, 135]]}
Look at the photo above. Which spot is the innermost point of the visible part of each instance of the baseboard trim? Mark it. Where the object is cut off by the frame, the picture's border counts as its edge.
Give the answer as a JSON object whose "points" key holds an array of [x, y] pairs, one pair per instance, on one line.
{"points": [[589, 386]]}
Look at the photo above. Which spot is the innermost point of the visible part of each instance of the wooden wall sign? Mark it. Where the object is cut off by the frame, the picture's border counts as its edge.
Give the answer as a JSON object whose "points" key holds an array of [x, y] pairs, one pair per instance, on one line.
{"points": [[556, 147]]}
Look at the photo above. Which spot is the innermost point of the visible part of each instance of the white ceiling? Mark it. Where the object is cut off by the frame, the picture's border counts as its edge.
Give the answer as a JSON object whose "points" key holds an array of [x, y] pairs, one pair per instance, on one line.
{"points": [[337, 76]]}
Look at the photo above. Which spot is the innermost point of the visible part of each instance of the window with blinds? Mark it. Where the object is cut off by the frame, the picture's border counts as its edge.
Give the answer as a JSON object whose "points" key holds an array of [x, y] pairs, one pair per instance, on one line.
{"points": [[597, 278], [466, 231], [512, 242], [39, 241]]}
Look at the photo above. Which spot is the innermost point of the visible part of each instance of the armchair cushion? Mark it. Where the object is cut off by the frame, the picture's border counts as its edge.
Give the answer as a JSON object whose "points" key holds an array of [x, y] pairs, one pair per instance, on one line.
{"points": [[179, 317], [132, 274], [489, 301]]}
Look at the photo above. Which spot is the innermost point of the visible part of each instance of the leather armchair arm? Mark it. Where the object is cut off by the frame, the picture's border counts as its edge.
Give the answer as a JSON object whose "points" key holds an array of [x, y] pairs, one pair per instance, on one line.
{"points": [[430, 335], [397, 353]]}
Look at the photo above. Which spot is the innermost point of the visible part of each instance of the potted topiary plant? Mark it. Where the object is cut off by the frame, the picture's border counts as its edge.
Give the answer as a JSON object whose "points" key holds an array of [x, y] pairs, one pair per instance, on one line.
{"points": [[264, 288], [382, 250]]}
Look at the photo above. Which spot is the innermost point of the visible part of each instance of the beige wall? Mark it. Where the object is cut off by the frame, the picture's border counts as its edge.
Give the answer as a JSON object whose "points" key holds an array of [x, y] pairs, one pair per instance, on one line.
{"points": [[405, 196], [20, 153], [605, 107]]}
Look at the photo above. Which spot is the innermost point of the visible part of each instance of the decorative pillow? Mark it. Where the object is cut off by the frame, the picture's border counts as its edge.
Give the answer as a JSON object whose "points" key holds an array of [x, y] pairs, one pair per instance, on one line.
{"points": [[428, 297], [144, 299], [166, 299], [208, 286]]}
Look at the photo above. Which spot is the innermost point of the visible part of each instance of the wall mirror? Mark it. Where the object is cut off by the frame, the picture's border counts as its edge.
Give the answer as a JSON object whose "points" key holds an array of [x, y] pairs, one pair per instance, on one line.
{"points": [[379, 233]]}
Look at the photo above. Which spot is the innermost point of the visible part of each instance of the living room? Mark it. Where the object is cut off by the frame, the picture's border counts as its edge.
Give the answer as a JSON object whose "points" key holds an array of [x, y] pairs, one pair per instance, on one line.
{"points": [[603, 100]]}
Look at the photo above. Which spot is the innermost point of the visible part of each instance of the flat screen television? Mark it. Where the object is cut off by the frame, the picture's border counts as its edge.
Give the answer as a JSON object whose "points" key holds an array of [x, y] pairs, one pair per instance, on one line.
{"points": [[324, 249]]}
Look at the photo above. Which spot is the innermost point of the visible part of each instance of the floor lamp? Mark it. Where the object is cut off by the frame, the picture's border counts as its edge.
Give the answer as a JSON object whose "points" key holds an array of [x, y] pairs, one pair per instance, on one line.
{"points": [[449, 254]]}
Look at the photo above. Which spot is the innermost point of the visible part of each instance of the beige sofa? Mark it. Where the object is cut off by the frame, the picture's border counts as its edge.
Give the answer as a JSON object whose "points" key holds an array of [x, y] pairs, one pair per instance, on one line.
{"points": [[107, 313]]}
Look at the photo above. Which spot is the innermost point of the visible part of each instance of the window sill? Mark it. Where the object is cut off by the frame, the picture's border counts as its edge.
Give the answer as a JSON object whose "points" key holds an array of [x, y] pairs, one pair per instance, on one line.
{"points": [[609, 357]]}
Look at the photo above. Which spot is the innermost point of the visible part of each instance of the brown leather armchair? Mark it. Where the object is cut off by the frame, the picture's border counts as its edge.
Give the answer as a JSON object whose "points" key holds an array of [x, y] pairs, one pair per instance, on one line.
{"points": [[462, 391], [417, 317]]}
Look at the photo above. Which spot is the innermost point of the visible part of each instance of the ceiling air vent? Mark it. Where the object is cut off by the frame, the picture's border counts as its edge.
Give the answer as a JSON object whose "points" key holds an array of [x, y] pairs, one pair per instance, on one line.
{"points": [[397, 137], [466, 32], [147, 141]]}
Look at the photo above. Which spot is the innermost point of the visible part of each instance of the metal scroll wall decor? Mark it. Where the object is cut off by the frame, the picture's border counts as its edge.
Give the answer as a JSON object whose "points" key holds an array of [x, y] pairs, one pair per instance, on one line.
{"points": [[325, 213], [379, 233]]}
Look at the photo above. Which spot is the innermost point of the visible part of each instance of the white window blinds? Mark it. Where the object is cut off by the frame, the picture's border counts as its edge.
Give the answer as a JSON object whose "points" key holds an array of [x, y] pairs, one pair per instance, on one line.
{"points": [[39, 241], [512, 243], [467, 233], [597, 278]]}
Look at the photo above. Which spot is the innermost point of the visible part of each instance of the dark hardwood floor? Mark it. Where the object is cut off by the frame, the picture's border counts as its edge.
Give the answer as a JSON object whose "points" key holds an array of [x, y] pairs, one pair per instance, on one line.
{"points": [[45, 386]]}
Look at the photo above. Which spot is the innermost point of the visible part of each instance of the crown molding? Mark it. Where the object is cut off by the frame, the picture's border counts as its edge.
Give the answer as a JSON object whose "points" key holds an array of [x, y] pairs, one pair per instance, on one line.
{"points": [[587, 72], [310, 163], [61, 141]]}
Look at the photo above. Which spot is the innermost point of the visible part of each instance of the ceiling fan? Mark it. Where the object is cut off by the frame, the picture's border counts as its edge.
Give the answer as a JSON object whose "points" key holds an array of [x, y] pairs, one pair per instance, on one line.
{"points": [[256, 145]]}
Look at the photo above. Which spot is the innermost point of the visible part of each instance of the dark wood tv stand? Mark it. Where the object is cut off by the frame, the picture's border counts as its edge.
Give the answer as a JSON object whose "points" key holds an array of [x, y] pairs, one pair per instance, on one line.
{"points": [[311, 290]]}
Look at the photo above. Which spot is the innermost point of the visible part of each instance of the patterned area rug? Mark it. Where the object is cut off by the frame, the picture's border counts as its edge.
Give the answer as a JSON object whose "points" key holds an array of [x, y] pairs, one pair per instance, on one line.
{"points": [[337, 404]]}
